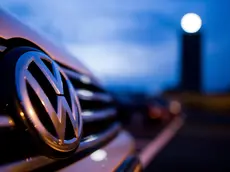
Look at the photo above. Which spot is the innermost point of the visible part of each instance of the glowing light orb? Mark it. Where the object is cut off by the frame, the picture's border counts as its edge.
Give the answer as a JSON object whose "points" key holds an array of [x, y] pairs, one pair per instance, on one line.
{"points": [[191, 23]]}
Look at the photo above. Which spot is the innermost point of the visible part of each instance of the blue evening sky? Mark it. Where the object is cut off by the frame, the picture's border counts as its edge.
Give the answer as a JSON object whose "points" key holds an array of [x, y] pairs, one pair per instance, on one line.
{"points": [[133, 43]]}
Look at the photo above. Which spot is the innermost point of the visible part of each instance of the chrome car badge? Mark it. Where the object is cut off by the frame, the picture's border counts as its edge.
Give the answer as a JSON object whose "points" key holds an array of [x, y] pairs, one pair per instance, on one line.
{"points": [[60, 124]]}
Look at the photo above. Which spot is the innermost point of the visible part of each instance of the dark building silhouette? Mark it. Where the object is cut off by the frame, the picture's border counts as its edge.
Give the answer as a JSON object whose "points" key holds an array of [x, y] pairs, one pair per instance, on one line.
{"points": [[191, 62]]}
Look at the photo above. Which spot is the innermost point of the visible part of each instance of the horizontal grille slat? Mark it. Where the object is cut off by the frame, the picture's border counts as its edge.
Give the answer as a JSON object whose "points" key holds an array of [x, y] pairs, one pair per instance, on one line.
{"points": [[94, 96], [89, 116]]}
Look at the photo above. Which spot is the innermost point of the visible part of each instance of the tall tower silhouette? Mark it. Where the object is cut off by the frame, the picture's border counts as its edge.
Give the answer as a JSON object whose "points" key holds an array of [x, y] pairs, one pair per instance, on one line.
{"points": [[191, 62]]}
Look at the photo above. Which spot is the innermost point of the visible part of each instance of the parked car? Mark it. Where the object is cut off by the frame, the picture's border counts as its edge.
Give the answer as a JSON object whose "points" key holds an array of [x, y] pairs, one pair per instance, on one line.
{"points": [[54, 114], [162, 110]]}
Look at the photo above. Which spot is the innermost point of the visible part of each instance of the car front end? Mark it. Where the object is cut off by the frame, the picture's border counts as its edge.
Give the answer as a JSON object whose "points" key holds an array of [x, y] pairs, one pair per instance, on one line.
{"points": [[54, 114]]}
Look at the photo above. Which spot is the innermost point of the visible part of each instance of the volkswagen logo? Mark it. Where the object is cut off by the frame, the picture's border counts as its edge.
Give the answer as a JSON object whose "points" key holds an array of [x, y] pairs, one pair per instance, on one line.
{"points": [[41, 84]]}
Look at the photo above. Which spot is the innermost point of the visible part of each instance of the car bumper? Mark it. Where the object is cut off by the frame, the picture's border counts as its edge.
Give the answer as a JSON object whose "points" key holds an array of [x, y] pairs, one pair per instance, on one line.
{"points": [[115, 156]]}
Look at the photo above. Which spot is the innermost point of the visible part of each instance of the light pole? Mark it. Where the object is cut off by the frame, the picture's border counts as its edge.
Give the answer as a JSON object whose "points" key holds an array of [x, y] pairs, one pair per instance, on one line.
{"points": [[191, 67]]}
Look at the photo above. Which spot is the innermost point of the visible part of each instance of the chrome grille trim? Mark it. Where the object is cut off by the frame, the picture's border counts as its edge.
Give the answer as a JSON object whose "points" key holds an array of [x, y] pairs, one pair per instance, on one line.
{"points": [[92, 116], [93, 96], [81, 77], [96, 104]]}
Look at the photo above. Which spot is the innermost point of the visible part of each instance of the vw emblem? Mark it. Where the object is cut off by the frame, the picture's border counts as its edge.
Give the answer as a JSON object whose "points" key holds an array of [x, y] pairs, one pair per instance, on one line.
{"points": [[41, 84]]}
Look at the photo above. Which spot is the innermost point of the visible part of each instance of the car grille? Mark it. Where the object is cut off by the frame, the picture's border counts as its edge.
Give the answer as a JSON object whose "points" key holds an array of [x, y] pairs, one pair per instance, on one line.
{"points": [[98, 107], [18, 149]]}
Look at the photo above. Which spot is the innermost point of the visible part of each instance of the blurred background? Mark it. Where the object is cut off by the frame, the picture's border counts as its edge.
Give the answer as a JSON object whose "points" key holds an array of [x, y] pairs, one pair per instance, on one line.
{"points": [[158, 57], [133, 45]]}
